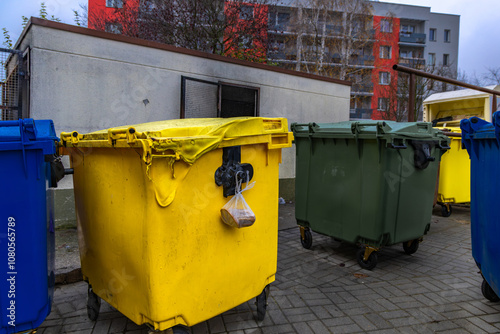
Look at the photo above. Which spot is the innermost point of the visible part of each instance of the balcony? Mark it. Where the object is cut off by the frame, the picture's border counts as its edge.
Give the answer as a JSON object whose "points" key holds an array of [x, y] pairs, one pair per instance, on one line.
{"points": [[276, 55], [412, 62], [362, 88], [282, 27], [413, 38], [359, 113], [332, 29]]}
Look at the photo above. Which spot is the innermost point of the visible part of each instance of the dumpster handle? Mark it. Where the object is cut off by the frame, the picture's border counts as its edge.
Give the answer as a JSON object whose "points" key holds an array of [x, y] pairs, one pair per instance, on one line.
{"points": [[444, 147], [398, 147], [380, 127], [311, 126]]}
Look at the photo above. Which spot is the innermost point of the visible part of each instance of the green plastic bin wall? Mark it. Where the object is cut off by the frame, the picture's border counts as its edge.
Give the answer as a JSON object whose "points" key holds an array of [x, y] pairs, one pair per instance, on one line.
{"points": [[358, 181]]}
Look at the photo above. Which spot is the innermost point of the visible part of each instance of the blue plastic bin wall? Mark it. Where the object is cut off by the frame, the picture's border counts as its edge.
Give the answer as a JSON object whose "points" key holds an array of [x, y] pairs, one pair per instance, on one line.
{"points": [[27, 224], [482, 141]]}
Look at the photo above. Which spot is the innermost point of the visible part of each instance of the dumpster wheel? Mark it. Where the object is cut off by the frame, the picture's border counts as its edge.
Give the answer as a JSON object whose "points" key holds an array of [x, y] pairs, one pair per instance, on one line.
{"points": [[306, 238], [180, 330], [367, 257], [411, 247], [93, 304], [488, 292], [261, 302], [445, 209]]}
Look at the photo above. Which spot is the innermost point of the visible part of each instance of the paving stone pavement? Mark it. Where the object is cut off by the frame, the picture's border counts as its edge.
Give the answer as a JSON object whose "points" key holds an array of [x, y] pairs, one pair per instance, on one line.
{"points": [[323, 290]]}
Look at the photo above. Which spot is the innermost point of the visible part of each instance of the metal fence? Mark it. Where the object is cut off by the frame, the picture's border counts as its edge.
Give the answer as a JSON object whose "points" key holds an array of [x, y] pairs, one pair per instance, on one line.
{"points": [[10, 84]]}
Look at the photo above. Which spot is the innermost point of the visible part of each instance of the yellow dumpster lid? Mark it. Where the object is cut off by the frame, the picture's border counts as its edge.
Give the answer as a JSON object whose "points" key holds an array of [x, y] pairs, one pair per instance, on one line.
{"points": [[186, 139]]}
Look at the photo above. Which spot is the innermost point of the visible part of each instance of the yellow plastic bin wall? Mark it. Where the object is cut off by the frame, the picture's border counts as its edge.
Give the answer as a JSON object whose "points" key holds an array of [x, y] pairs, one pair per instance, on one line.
{"points": [[152, 242], [454, 173]]}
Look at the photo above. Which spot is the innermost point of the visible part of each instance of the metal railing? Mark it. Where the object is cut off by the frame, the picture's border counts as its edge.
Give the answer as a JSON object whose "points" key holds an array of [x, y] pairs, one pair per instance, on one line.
{"points": [[413, 72], [412, 62], [406, 37], [360, 113], [10, 84]]}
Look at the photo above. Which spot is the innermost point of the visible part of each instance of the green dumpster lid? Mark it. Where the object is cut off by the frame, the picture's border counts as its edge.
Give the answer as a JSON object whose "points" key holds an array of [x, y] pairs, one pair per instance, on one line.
{"points": [[368, 129]]}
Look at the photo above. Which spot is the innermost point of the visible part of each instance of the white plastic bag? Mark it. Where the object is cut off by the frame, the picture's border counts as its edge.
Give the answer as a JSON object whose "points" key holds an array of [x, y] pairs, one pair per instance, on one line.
{"points": [[236, 212]]}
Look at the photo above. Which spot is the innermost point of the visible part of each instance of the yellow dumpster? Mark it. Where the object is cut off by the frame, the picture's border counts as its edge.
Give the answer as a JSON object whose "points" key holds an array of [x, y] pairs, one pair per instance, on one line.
{"points": [[454, 173], [148, 202]]}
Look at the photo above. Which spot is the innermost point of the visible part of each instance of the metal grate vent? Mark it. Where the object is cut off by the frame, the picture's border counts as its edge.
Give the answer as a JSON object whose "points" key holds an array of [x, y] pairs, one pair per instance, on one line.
{"points": [[200, 99], [10, 86]]}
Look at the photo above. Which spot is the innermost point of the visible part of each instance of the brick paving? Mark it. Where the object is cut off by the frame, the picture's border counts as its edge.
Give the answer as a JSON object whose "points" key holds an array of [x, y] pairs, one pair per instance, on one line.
{"points": [[323, 290]]}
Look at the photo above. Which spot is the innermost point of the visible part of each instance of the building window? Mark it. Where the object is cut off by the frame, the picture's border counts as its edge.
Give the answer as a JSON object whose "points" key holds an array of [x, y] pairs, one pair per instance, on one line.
{"points": [[447, 36], [246, 41], [114, 28], [383, 104], [407, 30], [406, 54], [279, 21], [385, 52], [385, 26], [246, 12], [384, 78], [207, 99], [432, 59], [114, 3], [432, 34], [446, 59]]}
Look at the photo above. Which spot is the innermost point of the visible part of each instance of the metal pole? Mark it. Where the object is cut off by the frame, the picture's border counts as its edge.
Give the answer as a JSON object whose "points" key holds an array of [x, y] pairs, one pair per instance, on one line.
{"points": [[494, 107], [411, 100], [443, 79]]}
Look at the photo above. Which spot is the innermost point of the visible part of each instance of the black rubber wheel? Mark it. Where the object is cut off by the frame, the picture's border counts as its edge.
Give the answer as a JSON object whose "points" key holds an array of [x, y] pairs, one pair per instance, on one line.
{"points": [[368, 264], [445, 212], [488, 292], [308, 239], [180, 330], [93, 305], [261, 302], [412, 248]]}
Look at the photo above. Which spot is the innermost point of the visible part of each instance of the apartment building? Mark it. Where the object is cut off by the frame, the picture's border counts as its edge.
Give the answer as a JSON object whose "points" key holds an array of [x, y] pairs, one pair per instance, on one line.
{"points": [[359, 42], [413, 36]]}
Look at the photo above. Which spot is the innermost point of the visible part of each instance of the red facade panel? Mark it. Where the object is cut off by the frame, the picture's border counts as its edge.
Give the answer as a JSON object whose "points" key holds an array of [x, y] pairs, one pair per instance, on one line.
{"points": [[386, 39]]}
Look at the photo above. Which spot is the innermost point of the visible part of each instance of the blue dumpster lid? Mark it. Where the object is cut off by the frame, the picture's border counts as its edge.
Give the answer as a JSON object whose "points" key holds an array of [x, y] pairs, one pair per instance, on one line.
{"points": [[26, 134], [477, 128]]}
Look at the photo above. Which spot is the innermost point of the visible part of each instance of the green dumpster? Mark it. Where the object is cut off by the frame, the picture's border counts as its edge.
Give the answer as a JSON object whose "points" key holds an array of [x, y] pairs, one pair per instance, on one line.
{"points": [[369, 183]]}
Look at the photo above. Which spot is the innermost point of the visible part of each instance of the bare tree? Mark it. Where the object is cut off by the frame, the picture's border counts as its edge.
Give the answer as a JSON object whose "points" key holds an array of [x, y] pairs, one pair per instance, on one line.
{"points": [[81, 15], [233, 28], [328, 37], [492, 76]]}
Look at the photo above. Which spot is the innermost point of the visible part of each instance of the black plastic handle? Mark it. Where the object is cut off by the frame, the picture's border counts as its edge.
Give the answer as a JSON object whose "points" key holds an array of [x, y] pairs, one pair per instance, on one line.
{"points": [[399, 147]]}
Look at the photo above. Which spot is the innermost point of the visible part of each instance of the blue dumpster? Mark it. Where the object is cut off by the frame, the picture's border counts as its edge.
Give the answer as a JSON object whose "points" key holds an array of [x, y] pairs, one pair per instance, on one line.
{"points": [[482, 140], [27, 164]]}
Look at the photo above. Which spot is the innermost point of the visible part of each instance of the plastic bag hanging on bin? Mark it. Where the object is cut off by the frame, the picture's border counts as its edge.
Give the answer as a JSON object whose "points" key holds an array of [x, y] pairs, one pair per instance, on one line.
{"points": [[237, 212]]}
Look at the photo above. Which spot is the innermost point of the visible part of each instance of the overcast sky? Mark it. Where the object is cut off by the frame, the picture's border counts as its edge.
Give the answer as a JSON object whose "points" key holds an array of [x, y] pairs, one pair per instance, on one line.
{"points": [[479, 24]]}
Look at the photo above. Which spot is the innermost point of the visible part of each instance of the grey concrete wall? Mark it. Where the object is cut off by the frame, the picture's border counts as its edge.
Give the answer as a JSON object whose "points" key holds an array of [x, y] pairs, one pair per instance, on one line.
{"points": [[87, 83]]}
